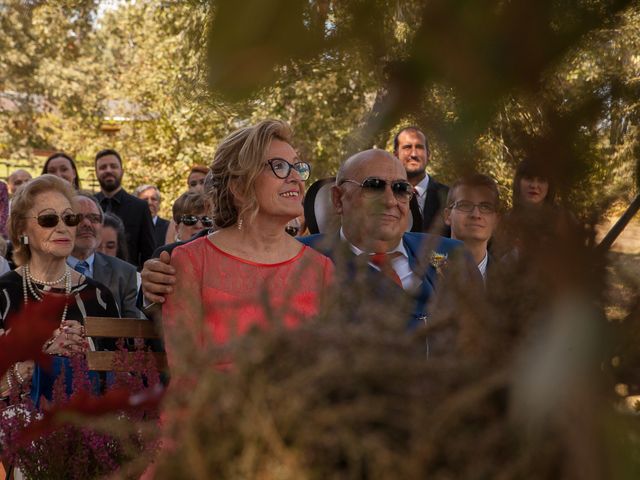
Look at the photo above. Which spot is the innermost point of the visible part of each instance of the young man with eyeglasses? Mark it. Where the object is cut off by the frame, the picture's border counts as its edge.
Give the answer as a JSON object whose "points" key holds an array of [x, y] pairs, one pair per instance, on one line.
{"points": [[119, 276], [472, 213]]}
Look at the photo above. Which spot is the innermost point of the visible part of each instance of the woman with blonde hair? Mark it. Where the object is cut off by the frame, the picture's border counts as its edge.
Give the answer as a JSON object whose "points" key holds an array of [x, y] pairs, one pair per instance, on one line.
{"points": [[249, 270], [43, 230]]}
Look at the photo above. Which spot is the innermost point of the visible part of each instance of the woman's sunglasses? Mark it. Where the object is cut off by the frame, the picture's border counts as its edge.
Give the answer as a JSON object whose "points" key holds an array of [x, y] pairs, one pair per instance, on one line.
{"points": [[50, 220], [191, 220]]}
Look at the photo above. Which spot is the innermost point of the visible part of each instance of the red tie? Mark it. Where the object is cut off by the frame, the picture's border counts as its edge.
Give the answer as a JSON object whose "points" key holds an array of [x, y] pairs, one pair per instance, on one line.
{"points": [[383, 262]]}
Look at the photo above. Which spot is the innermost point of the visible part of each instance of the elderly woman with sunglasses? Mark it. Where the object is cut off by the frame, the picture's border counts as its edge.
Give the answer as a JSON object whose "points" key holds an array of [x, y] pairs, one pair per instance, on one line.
{"points": [[43, 230], [250, 271]]}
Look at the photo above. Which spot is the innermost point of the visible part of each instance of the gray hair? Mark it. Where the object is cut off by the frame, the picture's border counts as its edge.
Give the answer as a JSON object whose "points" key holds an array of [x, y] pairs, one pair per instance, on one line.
{"points": [[143, 188], [85, 194]]}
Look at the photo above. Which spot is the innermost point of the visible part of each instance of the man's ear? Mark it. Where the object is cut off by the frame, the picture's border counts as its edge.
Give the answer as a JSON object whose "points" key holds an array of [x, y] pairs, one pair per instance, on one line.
{"points": [[447, 217], [336, 199]]}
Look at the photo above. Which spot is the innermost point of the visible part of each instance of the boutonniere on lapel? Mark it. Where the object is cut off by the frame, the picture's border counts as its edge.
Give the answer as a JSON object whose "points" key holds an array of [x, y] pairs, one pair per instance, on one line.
{"points": [[438, 261]]}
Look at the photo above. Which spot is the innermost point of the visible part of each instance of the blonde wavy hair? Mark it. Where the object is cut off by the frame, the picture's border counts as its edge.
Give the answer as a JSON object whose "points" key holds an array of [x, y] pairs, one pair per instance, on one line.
{"points": [[23, 201], [236, 164]]}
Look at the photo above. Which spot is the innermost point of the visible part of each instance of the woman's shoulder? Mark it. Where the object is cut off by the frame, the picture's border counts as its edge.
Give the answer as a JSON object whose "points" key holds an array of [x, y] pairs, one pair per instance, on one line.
{"points": [[198, 245], [94, 294], [10, 279], [308, 254]]}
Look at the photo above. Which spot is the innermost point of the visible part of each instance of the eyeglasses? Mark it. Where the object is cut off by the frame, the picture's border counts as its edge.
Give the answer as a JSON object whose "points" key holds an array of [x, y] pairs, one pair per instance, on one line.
{"points": [[467, 207], [50, 220], [195, 183], [92, 217], [281, 168], [403, 191], [191, 220]]}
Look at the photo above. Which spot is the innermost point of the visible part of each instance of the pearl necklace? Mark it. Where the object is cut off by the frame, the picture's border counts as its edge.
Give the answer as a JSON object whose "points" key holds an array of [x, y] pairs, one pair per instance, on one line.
{"points": [[28, 282]]}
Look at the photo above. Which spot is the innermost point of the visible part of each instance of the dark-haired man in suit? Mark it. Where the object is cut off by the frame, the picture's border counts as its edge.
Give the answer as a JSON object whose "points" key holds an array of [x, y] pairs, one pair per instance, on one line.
{"points": [[133, 212], [410, 146]]}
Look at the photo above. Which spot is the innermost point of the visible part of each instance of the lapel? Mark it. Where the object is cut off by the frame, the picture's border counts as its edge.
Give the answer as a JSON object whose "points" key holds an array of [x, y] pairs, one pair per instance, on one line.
{"points": [[102, 270], [418, 261]]}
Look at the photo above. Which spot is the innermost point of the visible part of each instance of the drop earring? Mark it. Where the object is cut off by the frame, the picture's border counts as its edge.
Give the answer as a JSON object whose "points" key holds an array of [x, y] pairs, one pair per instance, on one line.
{"points": [[24, 239], [239, 224]]}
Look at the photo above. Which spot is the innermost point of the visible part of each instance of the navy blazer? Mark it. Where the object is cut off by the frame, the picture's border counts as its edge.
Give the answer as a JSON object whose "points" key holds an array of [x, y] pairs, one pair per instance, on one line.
{"points": [[414, 243]]}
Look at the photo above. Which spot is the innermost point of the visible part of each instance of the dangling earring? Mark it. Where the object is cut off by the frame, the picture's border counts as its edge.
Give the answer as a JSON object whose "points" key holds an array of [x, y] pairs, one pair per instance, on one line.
{"points": [[24, 239], [239, 224]]}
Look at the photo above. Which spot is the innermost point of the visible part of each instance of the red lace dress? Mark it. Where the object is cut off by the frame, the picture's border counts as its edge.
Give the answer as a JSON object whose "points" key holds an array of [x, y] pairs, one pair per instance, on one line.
{"points": [[218, 295]]}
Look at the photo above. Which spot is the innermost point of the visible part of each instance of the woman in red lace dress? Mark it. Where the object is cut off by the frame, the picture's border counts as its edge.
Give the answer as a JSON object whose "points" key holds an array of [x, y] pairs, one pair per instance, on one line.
{"points": [[250, 271]]}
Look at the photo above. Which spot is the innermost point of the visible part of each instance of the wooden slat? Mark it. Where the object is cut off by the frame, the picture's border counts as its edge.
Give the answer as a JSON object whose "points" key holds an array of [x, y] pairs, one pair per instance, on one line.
{"points": [[108, 327], [104, 361]]}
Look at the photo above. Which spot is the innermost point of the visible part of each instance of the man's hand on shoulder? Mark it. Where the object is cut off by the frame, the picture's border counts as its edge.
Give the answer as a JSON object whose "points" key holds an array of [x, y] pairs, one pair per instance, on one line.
{"points": [[158, 278]]}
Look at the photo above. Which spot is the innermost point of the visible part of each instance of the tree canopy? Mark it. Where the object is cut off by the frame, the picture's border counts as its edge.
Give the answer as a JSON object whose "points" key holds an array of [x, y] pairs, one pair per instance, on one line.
{"points": [[490, 82]]}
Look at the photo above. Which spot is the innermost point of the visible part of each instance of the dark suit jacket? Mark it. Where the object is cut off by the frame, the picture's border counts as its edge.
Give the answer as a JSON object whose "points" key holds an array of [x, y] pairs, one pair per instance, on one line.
{"points": [[137, 223], [160, 231], [121, 278], [418, 246], [432, 212]]}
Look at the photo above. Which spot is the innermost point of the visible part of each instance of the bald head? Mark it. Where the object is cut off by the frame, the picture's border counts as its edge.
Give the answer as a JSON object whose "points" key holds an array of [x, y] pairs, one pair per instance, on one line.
{"points": [[367, 162], [16, 179]]}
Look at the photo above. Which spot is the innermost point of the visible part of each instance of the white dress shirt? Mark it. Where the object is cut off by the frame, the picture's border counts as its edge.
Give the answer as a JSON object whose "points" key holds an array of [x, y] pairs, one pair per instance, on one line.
{"points": [[421, 191], [482, 266]]}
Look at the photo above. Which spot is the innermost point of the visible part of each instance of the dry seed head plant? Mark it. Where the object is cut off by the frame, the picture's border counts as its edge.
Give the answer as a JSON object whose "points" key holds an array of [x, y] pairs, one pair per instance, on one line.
{"points": [[513, 385]]}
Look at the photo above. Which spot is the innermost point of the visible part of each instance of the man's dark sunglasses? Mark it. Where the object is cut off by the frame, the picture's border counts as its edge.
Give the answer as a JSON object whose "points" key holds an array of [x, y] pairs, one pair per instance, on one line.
{"points": [[191, 220], [402, 190], [50, 220], [281, 168]]}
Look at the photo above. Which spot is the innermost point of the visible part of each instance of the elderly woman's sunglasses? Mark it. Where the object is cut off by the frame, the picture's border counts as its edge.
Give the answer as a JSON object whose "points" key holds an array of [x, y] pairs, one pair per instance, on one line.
{"points": [[402, 190], [191, 220], [50, 220], [281, 168]]}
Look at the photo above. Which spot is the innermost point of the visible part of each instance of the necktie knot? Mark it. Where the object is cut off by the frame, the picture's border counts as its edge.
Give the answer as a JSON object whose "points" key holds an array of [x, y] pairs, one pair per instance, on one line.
{"points": [[383, 262], [82, 267]]}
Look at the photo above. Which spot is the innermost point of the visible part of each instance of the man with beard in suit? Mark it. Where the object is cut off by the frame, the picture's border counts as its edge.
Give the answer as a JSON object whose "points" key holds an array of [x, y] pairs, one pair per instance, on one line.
{"points": [[119, 276], [133, 212], [410, 146]]}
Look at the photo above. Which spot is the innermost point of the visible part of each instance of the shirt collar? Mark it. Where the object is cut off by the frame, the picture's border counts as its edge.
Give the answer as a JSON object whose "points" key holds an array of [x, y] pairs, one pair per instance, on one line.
{"points": [[421, 187], [482, 266], [399, 248]]}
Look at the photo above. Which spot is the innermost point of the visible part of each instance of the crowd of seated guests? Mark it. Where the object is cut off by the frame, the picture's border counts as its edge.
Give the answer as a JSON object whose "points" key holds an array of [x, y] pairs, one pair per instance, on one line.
{"points": [[237, 235]]}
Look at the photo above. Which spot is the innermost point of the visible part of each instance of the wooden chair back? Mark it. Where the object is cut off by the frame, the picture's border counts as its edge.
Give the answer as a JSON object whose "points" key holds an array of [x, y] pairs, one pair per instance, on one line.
{"points": [[108, 327]]}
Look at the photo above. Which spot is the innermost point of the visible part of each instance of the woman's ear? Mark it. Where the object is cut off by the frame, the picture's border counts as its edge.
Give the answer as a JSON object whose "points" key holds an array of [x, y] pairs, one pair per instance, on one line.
{"points": [[238, 197]]}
